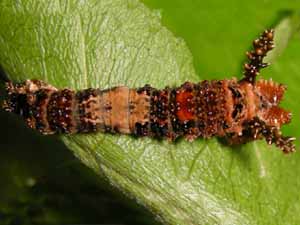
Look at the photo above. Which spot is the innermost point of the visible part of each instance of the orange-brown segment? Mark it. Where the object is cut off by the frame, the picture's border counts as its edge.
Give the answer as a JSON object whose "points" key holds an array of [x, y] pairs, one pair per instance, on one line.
{"points": [[185, 105]]}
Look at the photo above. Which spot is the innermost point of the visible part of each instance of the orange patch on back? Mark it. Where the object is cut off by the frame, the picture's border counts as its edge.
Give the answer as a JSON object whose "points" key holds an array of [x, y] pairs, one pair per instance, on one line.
{"points": [[185, 105]]}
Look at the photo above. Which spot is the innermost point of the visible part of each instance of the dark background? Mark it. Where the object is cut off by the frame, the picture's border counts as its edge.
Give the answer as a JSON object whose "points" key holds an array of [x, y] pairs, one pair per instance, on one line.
{"points": [[42, 186]]}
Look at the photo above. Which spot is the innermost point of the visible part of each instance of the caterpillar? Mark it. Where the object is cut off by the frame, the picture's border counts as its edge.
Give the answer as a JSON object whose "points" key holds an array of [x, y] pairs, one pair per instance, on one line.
{"points": [[237, 110]]}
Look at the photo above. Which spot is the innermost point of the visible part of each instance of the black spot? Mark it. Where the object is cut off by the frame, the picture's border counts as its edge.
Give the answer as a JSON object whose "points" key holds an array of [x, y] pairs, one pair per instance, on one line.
{"points": [[141, 129], [237, 110], [236, 93]]}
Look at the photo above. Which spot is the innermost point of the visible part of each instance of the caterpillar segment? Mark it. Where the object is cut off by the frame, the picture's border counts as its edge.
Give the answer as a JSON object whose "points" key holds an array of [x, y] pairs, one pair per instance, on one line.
{"points": [[237, 110]]}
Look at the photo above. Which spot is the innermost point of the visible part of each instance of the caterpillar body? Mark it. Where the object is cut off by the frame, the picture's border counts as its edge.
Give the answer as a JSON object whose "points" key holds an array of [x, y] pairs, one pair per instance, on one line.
{"points": [[238, 110]]}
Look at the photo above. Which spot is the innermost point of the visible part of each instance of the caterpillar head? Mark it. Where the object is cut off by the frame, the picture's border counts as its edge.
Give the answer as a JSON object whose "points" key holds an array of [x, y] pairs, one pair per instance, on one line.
{"points": [[262, 118], [269, 96]]}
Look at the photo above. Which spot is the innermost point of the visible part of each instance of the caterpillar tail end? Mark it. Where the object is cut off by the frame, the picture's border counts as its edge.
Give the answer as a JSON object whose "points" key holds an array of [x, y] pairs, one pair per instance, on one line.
{"points": [[7, 104]]}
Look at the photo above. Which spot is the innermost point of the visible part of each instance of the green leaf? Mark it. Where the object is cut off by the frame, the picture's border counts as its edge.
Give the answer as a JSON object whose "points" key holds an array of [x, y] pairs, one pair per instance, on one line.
{"points": [[80, 44]]}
